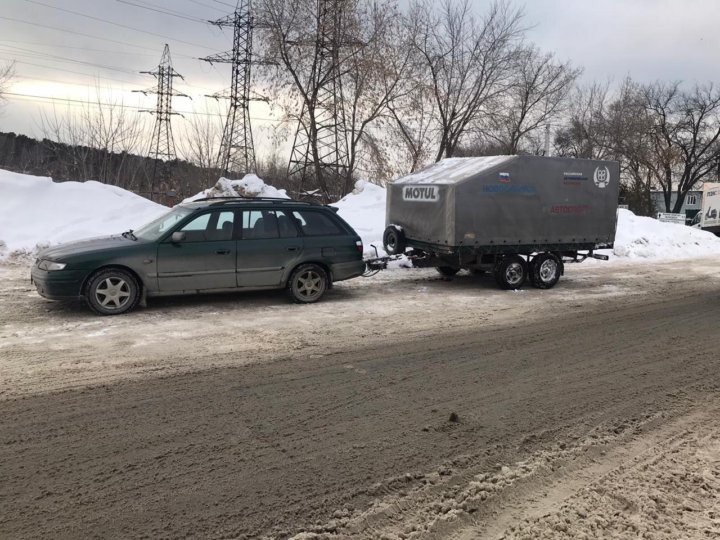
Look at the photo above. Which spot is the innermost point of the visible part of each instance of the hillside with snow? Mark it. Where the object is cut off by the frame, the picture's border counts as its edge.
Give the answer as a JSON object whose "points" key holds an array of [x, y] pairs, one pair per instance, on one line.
{"points": [[36, 212]]}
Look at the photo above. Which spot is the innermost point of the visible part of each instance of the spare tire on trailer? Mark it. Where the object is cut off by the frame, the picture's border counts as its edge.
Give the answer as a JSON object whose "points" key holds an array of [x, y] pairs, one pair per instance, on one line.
{"points": [[394, 240]]}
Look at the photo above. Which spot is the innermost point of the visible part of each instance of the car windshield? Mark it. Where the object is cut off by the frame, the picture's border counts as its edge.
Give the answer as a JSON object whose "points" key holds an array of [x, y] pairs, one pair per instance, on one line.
{"points": [[156, 228]]}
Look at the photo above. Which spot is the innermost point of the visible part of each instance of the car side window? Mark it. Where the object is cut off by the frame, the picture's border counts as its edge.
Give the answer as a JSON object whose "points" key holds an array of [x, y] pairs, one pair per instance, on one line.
{"points": [[210, 227], [224, 226], [313, 223], [259, 224], [286, 225]]}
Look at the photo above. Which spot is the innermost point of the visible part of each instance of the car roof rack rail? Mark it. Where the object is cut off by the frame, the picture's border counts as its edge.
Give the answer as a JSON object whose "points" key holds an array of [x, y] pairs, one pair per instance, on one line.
{"points": [[222, 200]]}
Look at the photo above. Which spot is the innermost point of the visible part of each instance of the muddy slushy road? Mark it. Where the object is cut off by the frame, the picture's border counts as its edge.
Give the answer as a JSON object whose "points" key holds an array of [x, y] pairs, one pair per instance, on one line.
{"points": [[419, 428]]}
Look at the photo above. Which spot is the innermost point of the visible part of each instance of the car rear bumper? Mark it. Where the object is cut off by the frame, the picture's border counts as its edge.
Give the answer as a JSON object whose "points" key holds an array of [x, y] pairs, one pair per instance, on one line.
{"points": [[347, 270], [57, 285]]}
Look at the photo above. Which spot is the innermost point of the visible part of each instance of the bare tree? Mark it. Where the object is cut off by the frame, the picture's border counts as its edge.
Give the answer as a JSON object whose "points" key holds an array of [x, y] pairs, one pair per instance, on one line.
{"points": [[7, 73], [469, 62], [685, 137], [375, 76], [413, 123], [199, 142], [584, 135], [95, 141], [538, 95], [366, 69]]}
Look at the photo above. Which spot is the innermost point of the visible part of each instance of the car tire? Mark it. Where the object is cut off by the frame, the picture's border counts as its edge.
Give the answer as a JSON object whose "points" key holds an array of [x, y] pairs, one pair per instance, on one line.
{"points": [[112, 291], [307, 284], [394, 240], [545, 270], [447, 271], [511, 272]]}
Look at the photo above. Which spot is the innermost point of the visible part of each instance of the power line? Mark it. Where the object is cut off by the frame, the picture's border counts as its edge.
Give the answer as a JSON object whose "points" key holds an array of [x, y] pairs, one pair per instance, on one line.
{"points": [[125, 43], [78, 102], [169, 11], [163, 11], [53, 57], [207, 5], [69, 71], [118, 24], [226, 4], [57, 46]]}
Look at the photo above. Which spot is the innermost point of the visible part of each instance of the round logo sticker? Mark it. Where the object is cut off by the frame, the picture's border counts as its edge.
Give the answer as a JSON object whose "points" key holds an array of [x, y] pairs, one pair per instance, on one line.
{"points": [[601, 177]]}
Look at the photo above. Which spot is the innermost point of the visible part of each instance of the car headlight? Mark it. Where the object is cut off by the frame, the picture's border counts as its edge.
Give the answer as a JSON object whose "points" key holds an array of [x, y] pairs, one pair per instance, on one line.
{"points": [[50, 265]]}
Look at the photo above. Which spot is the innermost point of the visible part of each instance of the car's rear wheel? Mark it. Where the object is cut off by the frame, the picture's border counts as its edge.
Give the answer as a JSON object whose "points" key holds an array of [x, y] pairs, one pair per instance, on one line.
{"points": [[112, 291], [307, 284]]}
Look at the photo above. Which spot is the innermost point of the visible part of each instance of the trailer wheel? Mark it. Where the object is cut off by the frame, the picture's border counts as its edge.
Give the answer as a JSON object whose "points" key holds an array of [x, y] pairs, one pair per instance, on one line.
{"points": [[511, 272], [394, 240], [545, 270], [447, 271]]}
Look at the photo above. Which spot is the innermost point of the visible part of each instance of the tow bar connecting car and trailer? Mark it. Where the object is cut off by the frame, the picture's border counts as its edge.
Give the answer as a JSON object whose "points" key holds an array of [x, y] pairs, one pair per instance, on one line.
{"points": [[519, 217]]}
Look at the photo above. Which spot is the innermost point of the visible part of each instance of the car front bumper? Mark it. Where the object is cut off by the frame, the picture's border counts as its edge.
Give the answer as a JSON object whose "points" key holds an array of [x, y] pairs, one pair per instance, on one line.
{"points": [[58, 284]]}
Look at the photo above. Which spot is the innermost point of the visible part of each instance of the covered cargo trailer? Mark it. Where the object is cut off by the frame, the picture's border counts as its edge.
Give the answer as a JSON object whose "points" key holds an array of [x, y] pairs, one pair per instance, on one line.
{"points": [[475, 213]]}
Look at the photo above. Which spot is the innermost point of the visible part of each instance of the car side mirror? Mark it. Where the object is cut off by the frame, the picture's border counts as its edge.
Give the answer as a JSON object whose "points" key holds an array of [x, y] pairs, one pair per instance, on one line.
{"points": [[177, 237]]}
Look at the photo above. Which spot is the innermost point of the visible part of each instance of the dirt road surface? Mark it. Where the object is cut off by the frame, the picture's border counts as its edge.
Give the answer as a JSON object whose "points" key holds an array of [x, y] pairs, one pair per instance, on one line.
{"points": [[404, 406]]}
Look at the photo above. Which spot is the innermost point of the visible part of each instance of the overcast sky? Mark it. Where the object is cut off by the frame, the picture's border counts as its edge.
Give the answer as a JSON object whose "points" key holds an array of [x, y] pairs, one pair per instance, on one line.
{"points": [[63, 55]]}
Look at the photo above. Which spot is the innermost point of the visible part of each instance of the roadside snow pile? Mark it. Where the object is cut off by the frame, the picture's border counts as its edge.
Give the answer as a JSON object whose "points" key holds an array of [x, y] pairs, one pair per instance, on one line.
{"points": [[364, 210], [249, 186], [640, 237], [36, 212]]}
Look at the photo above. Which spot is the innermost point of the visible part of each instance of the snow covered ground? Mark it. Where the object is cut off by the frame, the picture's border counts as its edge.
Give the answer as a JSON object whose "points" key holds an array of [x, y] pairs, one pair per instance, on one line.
{"points": [[36, 212]]}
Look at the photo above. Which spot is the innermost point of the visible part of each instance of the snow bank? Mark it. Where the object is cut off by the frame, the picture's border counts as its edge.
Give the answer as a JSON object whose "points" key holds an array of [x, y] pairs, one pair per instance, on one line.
{"points": [[36, 212], [645, 238], [248, 186], [364, 210]]}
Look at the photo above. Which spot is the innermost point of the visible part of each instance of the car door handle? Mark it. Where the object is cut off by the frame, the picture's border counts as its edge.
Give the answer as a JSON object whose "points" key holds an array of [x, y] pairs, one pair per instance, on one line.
{"points": [[292, 249], [222, 251]]}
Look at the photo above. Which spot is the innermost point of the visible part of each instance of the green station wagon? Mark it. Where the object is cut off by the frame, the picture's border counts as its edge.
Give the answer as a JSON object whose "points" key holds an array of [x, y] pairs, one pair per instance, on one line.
{"points": [[209, 245]]}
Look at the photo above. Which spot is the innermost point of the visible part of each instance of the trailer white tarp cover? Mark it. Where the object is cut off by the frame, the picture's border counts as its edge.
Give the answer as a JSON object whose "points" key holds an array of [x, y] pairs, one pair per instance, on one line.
{"points": [[453, 170]]}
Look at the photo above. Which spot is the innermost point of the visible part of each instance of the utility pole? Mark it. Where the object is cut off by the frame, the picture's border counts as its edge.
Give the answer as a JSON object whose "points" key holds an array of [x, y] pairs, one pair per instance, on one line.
{"points": [[320, 152], [237, 150], [162, 145]]}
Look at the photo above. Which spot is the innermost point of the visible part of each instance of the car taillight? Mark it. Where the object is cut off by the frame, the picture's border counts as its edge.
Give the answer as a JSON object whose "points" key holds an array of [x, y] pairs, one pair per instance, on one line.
{"points": [[359, 246]]}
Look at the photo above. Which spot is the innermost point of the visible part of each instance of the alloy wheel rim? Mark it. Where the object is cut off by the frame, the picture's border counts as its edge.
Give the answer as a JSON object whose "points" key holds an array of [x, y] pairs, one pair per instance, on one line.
{"points": [[112, 293], [309, 284]]}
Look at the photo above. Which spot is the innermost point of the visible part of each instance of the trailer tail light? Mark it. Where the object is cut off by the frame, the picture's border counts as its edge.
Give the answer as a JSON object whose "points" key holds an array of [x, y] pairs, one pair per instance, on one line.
{"points": [[359, 246]]}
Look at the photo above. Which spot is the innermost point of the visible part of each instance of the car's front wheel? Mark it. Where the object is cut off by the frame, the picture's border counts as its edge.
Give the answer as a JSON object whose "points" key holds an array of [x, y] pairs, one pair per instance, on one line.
{"points": [[112, 291], [307, 284]]}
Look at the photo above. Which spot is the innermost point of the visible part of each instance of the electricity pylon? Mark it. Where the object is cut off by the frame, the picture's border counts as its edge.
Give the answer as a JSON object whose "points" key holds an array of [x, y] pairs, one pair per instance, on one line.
{"points": [[324, 134], [237, 150], [162, 145]]}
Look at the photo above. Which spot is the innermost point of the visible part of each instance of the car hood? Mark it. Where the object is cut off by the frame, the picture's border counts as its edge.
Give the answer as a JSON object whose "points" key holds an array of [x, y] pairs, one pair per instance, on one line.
{"points": [[89, 245]]}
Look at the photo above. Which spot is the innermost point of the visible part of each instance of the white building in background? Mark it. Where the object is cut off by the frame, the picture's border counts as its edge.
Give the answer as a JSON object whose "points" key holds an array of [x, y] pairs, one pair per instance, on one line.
{"points": [[690, 207]]}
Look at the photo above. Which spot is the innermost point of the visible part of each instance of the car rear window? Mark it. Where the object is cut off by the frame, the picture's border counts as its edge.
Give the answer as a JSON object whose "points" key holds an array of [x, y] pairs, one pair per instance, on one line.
{"points": [[314, 223]]}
